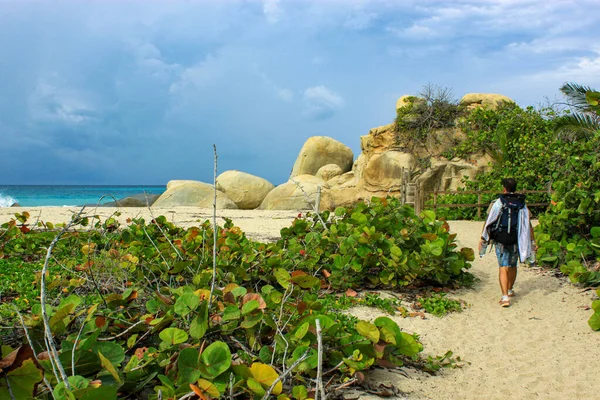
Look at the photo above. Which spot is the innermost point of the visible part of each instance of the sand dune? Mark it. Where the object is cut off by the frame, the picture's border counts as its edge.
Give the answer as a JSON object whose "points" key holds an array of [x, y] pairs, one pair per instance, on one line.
{"points": [[540, 347]]}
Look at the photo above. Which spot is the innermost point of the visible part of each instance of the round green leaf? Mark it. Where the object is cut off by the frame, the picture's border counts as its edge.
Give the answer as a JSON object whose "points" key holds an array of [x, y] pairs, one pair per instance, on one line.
{"points": [[173, 336], [186, 303], [368, 330], [215, 360]]}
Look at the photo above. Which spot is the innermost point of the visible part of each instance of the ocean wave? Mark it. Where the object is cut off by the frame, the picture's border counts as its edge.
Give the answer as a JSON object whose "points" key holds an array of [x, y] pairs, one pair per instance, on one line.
{"points": [[6, 201]]}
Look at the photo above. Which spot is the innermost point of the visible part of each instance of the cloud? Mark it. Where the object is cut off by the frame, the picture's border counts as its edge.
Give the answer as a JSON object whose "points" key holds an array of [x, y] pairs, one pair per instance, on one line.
{"points": [[321, 102], [272, 11], [49, 103]]}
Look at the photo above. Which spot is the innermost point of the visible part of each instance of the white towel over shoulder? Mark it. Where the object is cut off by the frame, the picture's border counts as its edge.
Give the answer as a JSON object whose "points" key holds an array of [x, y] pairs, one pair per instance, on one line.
{"points": [[524, 241]]}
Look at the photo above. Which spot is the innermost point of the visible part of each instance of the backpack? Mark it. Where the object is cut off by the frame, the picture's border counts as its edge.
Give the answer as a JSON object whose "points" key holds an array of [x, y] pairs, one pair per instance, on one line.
{"points": [[505, 230]]}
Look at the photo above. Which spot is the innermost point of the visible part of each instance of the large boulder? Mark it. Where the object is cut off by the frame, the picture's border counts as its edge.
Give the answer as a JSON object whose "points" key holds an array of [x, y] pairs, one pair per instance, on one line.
{"points": [[192, 194], [245, 190], [487, 100], [385, 171], [297, 194], [319, 151], [329, 171]]}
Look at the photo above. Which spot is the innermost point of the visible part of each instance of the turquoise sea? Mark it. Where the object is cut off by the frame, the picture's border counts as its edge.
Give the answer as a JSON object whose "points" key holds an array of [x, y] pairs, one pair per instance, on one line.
{"points": [[70, 195]]}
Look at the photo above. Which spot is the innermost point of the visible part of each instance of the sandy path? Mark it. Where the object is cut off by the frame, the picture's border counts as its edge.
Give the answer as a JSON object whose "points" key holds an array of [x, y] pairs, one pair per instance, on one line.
{"points": [[541, 347]]}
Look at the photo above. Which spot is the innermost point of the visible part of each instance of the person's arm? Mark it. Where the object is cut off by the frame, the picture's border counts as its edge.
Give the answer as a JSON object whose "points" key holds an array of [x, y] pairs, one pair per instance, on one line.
{"points": [[484, 235], [532, 234]]}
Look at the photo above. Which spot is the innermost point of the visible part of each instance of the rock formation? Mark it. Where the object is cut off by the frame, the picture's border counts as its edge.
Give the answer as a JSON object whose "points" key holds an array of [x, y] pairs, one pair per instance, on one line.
{"points": [[245, 190], [319, 151], [192, 194], [389, 159], [299, 193]]}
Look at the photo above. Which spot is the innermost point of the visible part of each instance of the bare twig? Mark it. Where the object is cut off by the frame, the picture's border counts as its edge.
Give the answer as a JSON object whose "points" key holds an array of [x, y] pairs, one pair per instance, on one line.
{"points": [[319, 362], [163, 232], [311, 204], [32, 348], [345, 385], [187, 396], [282, 376], [48, 332], [120, 334], [75, 348], [214, 273], [153, 244], [10, 392]]}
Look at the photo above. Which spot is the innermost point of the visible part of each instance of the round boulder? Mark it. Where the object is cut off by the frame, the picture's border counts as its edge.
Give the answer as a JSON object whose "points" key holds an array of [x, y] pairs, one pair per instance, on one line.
{"points": [[289, 196], [193, 194], [488, 100], [319, 151], [245, 190], [329, 171]]}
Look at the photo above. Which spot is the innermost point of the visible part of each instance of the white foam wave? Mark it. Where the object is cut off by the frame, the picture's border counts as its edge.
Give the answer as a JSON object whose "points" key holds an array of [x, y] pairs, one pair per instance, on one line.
{"points": [[6, 201]]}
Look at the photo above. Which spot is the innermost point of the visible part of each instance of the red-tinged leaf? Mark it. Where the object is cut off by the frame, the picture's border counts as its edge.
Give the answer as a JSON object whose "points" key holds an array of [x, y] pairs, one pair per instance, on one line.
{"points": [[298, 273], [177, 242], [43, 356], [198, 391], [446, 227], [24, 229], [326, 273], [351, 293], [302, 306], [165, 299], [15, 359], [255, 296], [229, 298], [139, 352], [100, 321], [132, 296], [360, 377], [85, 266]]}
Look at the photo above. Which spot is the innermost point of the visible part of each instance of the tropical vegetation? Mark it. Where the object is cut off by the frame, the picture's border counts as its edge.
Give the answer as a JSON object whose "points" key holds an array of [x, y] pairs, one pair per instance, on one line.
{"points": [[152, 310]]}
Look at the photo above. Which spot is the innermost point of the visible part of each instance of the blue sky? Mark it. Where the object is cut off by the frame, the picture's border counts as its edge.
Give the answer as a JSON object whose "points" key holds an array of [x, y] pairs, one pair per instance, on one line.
{"points": [[132, 92]]}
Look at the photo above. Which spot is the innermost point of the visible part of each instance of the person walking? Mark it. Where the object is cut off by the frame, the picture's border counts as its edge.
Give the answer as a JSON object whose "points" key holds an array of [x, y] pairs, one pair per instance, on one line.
{"points": [[508, 227]]}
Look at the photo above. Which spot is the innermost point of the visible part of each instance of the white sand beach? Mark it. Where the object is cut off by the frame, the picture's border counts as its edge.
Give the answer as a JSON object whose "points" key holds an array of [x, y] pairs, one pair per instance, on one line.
{"points": [[539, 348]]}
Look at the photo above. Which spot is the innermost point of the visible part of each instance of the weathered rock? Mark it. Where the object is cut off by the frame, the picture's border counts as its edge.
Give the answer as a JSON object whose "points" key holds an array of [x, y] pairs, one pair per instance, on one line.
{"points": [[329, 171], [378, 140], [319, 151], [15, 205], [489, 100], [192, 194], [448, 175], [289, 196], [138, 200], [345, 180], [384, 171], [245, 190]]}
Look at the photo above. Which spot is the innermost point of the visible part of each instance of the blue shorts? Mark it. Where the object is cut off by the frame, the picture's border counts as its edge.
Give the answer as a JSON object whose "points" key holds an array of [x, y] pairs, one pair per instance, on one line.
{"points": [[508, 255]]}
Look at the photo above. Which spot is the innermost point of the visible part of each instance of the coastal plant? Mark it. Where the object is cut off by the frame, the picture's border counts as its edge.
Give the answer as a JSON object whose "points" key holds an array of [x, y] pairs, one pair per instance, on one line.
{"points": [[379, 245], [439, 304], [137, 318]]}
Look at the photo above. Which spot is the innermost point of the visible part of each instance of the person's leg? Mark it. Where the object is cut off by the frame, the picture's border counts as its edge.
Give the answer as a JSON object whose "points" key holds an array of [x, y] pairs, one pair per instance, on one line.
{"points": [[512, 271], [503, 267], [512, 277], [504, 279]]}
